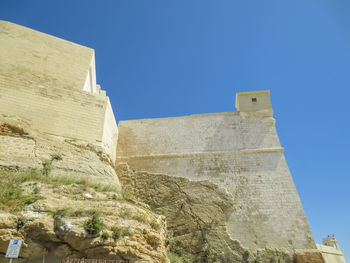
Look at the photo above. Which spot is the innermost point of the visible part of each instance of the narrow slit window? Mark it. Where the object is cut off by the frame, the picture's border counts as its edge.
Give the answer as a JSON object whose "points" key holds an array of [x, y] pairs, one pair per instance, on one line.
{"points": [[254, 100]]}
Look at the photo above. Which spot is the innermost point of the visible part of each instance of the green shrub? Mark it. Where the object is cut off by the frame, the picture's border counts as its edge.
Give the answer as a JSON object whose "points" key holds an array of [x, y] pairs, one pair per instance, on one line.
{"points": [[13, 193], [128, 194], [20, 223], [59, 212], [174, 258], [93, 225], [28, 200], [47, 166], [170, 242], [104, 236], [13, 199], [140, 217], [79, 212], [126, 232], [176, 253], [117, 232], [155, 225], [126, 213]]}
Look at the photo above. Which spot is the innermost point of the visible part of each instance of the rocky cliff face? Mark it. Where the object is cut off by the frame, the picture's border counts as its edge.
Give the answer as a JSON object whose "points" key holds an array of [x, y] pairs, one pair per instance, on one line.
{"points": [[64, 199], [196, 216]]}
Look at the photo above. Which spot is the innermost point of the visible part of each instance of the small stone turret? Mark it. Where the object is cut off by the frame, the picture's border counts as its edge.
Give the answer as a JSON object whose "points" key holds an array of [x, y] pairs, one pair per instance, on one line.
{"points": [[330, 250], [330, 241], [254, 101]]}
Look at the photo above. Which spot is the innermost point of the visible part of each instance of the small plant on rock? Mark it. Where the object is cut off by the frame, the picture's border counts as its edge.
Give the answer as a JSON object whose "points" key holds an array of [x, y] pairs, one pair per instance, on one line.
{"points": [[59, 212], [155, 225], [140, 217], [46, 167], [79, 212], [20, 223], [105, 236], [128, 194], [117, 232], [28, 200], [93, 225]]}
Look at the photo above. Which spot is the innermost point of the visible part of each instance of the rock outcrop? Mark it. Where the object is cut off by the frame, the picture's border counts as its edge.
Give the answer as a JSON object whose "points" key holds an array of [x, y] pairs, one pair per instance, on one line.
{"points": [[196, 217], [51, 187], [308, 256]]}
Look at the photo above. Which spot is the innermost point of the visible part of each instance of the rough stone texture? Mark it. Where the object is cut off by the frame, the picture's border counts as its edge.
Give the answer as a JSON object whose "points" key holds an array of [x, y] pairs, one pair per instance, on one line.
{"points": [[64, 236], [331, 254], [22, 149], [238, 151], [37, 58], [221, 173], [309, 256], [196, 216], [42, 79]]}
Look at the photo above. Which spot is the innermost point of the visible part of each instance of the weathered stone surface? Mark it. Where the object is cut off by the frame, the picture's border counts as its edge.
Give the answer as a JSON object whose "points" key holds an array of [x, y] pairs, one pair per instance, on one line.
{"points": [[331, 254], [308, 256], [43, 80], [196, 216], [46, 235], [53, 225], [22, 146], [238, 151], [214, 176]]}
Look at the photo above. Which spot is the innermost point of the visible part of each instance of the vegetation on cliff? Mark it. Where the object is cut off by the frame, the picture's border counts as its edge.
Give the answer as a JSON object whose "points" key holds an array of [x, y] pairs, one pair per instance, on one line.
{"points": [[64, 199]]}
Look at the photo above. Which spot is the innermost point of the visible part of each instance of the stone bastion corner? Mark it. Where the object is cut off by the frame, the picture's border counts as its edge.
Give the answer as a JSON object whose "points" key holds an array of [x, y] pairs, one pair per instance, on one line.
{"points": [[51, 83]]}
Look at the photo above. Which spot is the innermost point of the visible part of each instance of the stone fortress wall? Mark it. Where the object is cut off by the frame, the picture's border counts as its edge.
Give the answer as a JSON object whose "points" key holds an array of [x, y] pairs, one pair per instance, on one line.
{"points": [[51, 83], [330, 250], [239, 151]]}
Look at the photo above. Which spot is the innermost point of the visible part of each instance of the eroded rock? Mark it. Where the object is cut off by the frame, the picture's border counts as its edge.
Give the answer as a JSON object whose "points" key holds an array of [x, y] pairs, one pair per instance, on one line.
{"points": [[196, 214]]}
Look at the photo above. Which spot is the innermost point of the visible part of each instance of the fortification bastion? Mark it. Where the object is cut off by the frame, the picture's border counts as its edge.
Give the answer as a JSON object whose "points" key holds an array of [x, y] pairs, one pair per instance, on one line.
{"points": [[241, 152], [226, 166], [51, 83]]}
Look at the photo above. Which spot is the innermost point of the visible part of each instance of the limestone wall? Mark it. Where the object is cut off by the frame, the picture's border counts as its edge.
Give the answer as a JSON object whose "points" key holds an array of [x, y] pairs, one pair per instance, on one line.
{"points": [[55, 111], [34, 58], [42, 80], [110, 131], [240, 153], [331, 254]]}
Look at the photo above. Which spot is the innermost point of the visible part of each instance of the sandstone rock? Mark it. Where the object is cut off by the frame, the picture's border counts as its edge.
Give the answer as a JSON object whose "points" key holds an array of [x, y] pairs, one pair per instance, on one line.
{"points": [[63, 194], [308, 256], [196, 216], [28, 148]]}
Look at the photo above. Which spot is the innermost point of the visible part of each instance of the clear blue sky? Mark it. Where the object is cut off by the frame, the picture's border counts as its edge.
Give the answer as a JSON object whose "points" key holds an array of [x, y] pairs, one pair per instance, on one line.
{"points": [[159, 58]]}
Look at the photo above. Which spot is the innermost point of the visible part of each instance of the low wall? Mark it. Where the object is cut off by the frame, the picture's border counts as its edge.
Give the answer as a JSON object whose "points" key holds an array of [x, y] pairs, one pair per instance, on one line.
{"points": [[331, 254]]}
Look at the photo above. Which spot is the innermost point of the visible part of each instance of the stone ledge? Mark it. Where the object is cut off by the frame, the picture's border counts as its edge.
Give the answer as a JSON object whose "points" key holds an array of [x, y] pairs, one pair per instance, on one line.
{"points": [[197, 154]]}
